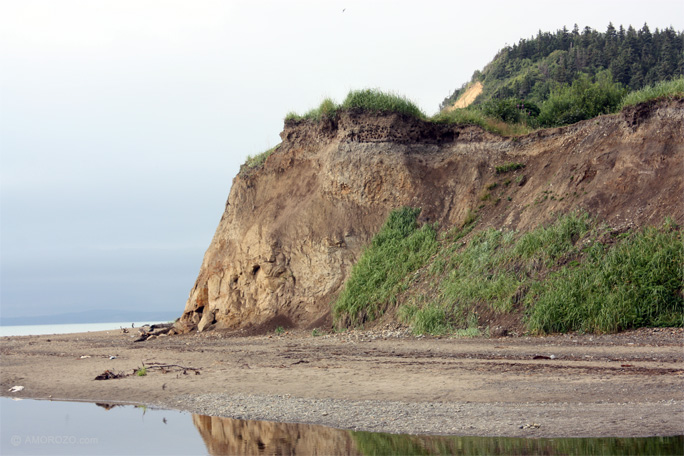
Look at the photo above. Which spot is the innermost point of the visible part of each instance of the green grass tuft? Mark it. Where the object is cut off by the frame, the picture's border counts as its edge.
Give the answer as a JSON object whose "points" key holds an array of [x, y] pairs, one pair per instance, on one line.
{"points": [[665, 89], [508, 167], [400, 248], [371, 100], [326, 110], [254, 162], [377, 101]]}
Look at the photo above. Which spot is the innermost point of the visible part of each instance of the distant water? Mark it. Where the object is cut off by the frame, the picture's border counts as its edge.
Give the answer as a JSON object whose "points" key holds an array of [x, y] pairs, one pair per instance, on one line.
{"points": [[31, 427], [37, 330]]}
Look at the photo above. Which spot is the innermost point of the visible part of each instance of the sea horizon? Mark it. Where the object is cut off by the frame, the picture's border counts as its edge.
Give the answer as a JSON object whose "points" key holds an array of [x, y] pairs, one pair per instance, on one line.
{"points": [[68, 328]]}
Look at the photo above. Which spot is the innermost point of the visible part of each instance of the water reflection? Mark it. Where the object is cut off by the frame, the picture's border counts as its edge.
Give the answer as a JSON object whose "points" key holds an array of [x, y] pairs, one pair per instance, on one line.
{"points": [[230, 436], [44, 427]]}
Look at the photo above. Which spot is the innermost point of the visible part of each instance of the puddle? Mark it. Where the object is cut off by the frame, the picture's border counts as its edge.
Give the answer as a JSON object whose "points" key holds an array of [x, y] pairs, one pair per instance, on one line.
{"points": [[76, 428]]}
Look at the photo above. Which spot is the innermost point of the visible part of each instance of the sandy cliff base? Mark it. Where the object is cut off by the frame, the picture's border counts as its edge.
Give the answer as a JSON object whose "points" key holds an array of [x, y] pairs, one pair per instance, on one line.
{"points": [[630, 384]]}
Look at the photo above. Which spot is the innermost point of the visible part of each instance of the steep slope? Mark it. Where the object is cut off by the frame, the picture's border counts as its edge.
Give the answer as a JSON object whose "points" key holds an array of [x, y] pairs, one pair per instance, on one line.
{"points": [[292, 230], [534, 67], [468, 97]]}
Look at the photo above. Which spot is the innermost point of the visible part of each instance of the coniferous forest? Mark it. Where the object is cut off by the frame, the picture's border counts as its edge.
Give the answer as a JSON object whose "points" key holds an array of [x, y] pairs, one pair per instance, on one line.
{"points": [[566, 63]]}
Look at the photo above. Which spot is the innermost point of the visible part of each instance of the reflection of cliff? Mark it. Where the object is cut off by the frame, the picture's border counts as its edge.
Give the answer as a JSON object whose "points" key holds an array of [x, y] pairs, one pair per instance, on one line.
{"points": [[229, 436], [226, 436]]}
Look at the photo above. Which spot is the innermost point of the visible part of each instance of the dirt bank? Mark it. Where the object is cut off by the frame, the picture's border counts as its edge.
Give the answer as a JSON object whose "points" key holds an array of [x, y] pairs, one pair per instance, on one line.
{"points": [[294, 227], [629, 384]]}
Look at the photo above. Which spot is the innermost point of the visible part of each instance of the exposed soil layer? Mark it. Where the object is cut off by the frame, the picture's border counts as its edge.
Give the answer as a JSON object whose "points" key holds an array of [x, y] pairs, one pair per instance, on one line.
{"points": [[627, 384]]}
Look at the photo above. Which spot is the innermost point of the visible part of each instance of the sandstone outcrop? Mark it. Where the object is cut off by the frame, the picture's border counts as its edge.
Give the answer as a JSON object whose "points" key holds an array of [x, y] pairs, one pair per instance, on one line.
{"points": [[292, 229]]}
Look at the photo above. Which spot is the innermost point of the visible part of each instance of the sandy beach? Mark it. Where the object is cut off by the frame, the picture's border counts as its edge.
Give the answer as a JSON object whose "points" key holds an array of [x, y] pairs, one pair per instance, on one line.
{"points": [[623, 385]]}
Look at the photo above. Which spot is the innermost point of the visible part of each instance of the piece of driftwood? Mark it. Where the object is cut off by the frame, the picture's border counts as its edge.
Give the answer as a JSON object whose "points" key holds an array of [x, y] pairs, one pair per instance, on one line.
{"points": [[164, 367], [154, 330], [108, 375]]}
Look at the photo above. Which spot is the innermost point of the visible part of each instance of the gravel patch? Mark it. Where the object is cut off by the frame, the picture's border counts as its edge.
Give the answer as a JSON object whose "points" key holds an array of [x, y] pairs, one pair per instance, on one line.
{"points": [[437, 418]]}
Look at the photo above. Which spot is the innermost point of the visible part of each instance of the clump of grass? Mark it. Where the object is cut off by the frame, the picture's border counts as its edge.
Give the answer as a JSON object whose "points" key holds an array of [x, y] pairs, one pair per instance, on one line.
{"points": [[377, 101], [664, 89], [141, 372], [326, 110], [372, 100], [508, 167], [431, 319], [638, 282], [400, 248], [279, 331], [255, 162], [549, 243]]}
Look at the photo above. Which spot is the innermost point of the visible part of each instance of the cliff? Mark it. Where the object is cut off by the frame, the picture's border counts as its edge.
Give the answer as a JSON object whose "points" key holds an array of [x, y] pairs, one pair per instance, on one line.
{"points": [[293, 228]]}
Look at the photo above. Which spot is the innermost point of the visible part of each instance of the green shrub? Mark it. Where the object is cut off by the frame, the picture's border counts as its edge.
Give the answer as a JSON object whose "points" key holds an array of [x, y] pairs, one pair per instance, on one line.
{"points": [[510, 110], [582, 100], [400, 248]]}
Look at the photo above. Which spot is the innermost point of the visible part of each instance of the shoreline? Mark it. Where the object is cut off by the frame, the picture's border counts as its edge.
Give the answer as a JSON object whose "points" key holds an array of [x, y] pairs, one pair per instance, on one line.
{"points": [[624, 385]]}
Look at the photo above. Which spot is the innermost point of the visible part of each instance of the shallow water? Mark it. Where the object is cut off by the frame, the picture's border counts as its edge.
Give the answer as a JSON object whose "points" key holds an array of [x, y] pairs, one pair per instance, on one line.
{"points": [[75, 428]]}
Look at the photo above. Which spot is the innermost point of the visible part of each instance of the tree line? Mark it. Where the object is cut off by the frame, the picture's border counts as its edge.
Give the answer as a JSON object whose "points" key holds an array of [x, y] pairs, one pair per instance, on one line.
{"points": [[569, 65], [534, 66]]}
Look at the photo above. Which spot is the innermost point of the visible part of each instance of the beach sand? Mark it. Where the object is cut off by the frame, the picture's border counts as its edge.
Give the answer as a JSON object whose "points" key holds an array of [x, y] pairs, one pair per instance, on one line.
{"points": [[623, 385]]}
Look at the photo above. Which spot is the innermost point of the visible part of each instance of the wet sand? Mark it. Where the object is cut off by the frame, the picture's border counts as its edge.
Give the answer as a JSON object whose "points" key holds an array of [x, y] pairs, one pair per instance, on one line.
{"points": [[624, 385]]}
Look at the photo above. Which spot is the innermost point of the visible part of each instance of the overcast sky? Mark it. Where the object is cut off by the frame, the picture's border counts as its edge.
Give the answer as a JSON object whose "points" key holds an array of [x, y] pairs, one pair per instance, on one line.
{"points": [[123, 122]]}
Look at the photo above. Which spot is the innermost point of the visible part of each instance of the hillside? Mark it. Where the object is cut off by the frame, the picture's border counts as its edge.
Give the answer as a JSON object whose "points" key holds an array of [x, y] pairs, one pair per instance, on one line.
{"points": [[533, 68], [295, 225]]}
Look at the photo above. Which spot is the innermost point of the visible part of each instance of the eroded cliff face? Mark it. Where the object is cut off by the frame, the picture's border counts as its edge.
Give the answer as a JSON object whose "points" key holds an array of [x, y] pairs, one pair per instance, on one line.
{"points": [[293, 229]]}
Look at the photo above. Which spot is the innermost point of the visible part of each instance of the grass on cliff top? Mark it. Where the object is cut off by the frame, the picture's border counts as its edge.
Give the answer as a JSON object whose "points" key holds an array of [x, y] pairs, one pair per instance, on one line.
{"points": [[255, 162], [664, 89], [573, 275], [372, 100]]}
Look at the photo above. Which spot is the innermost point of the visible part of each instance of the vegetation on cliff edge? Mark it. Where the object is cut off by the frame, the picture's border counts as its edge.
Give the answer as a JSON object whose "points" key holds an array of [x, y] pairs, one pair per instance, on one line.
{"points": [[255, 162], [573, 275], [585, 98], [371, 100]]}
